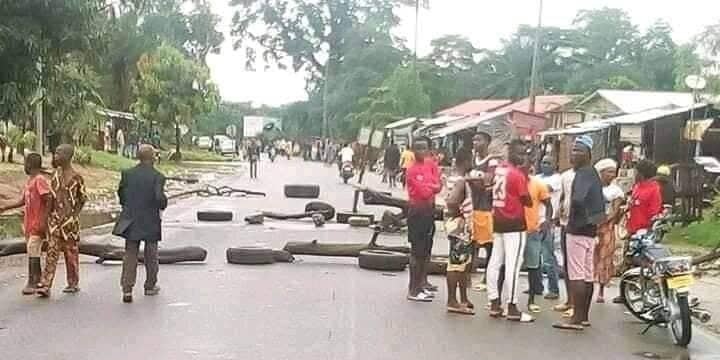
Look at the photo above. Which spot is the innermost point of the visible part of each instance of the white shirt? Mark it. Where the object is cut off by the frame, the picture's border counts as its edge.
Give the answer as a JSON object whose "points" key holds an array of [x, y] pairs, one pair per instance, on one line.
{"points": [[346, 154], [611, 193], [567, 179], [554, 182]]}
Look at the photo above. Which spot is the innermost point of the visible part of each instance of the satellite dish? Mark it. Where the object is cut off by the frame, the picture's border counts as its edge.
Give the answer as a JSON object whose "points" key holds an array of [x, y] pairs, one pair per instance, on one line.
{"points": [[695, 82]]}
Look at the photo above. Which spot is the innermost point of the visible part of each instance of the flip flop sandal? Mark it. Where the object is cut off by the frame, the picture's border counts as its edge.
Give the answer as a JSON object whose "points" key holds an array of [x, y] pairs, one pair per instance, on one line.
{"points": [[469, 305], [565, 326], [523, 318], [534, 308], [561, 307], [460, 310], [43, 292], [568, 314], [495, 313], [586, 324]]}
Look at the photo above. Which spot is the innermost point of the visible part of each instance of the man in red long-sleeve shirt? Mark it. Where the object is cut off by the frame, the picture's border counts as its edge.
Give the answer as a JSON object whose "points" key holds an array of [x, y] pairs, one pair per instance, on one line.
{"points": [[645, 204], [423, 183]]}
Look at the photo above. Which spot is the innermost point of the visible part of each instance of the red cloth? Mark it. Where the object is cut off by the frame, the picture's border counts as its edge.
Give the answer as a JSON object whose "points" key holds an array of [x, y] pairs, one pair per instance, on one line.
{"points": [[423, 182], [35, 189], [511, 185], [645, 203]]}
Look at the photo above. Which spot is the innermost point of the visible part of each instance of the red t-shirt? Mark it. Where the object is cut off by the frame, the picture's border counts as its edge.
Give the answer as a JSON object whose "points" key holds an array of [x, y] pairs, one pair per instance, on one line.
{"points": [[35, 189], [423, 183], [645, 203], [511, 186]]}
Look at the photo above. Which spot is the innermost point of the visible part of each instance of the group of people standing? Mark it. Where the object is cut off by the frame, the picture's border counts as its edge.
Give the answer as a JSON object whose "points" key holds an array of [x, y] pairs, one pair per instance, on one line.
{"points": [[52, 218], [52, 215], [512, 206]]}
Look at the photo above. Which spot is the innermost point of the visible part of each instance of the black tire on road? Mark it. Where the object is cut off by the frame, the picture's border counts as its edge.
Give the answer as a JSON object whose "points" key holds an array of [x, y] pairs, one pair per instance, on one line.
{"points": [[302, 191], [250, 256], [681, 329], [327, 210], [625, 284], [212, 215], [382, 260]]}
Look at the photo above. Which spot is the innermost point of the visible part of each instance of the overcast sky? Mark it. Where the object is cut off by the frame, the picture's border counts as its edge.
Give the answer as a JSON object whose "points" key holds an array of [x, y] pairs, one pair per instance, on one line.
{"points": [[484, 22]]}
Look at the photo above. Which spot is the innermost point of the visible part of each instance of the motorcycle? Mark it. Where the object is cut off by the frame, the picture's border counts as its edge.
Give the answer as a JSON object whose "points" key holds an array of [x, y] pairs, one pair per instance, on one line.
{"points": [[657, 289], [346, 171]]}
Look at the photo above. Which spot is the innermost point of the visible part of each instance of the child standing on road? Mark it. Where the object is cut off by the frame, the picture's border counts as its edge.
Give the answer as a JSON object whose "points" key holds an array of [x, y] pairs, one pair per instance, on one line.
{"points": [[36, 200], [462, 249]]}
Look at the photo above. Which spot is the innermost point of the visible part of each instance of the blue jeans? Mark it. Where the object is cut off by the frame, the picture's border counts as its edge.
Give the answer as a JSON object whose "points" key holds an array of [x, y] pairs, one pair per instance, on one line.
{"points": [[549, 260]]}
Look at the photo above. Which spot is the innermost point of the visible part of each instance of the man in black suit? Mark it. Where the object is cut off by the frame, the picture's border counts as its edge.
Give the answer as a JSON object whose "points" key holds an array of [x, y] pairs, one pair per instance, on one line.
{"points": [[142, 196]]}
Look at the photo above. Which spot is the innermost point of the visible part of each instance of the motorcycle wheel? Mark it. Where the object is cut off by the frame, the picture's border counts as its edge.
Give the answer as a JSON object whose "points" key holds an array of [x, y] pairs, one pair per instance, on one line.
{"points": [[681, 327], [631, 289]]}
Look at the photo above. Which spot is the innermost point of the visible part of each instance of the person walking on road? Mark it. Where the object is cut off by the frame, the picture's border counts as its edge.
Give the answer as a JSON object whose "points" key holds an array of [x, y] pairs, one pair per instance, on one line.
{"points": [[142, 196], [253, 157], [407, 159], [510, 197], [423, 184], [36, 200], [553, 181], [391, 161], [67, 193], [605, 249], [587, 211]]}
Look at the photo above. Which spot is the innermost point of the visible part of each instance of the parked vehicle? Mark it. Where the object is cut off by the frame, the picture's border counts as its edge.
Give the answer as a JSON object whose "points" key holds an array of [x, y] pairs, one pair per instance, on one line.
{"points": [[224, 145], [204, 142], [657, 289], [347, 171], [711, 182]]}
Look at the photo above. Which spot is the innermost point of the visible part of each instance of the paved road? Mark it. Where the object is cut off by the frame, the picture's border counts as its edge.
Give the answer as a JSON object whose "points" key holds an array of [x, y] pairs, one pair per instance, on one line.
{"points": [[314, 309]]}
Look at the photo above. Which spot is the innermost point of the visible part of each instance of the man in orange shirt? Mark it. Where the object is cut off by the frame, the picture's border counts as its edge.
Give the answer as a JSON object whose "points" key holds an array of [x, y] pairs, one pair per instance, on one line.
{"points": [[537, 217]]}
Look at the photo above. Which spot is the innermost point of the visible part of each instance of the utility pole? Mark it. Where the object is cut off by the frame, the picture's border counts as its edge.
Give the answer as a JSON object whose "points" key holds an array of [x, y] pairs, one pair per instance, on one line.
{"points": [[536, 50], [326, 80], [39, 128]]}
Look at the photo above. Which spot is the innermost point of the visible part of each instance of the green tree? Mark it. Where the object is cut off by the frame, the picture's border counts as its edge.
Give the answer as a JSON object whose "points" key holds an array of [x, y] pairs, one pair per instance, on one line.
{"points": [[172, 89], [656, 53], [406, 90]]}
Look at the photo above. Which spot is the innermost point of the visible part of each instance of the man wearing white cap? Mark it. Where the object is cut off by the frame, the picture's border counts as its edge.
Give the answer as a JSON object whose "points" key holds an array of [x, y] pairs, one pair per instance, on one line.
{"points": [[587, 211]]}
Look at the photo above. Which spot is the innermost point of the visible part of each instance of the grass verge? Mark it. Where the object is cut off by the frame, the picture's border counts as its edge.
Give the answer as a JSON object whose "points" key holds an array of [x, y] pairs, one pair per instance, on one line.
{"points": [[704, 234]]}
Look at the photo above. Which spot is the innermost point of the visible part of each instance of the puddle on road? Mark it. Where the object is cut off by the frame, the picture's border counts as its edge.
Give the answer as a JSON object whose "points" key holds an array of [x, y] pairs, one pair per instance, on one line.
{"points": [[179, 304]]}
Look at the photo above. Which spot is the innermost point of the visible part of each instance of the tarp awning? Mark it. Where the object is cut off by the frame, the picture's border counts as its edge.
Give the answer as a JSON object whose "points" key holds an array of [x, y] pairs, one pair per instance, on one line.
{"points": [[466, 123], [115, 114], [582, 128], [402, 123]]}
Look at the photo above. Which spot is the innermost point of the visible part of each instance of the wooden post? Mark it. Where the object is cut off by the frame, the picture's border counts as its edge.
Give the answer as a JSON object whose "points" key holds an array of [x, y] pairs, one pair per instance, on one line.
{"points": [[363, 163]]}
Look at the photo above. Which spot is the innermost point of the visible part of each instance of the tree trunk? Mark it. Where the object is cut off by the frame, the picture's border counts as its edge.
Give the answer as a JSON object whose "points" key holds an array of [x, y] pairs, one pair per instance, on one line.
{"points": [[340, 250], [10, 153], [178, 155], [107, 252]]}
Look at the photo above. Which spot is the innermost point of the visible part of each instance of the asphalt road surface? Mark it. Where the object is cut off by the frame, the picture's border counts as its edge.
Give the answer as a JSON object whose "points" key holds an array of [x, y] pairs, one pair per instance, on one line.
{"points": [[317, 308]]}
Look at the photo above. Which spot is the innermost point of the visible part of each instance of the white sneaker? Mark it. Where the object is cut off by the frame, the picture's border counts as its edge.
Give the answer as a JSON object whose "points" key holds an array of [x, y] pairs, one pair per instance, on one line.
{"points": [[429, 293], [421, 297]]}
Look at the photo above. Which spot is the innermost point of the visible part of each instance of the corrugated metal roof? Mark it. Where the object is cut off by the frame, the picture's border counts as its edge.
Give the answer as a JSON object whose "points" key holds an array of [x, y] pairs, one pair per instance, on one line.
{"points": [[630, 119], [543, 103], [467, 123], [442, 120], [631, 101], [475, 107], [649, 115]]}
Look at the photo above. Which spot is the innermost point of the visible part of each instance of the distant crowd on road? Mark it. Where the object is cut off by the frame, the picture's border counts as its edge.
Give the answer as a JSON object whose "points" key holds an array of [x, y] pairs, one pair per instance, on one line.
{"points": [[512, 207]]}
